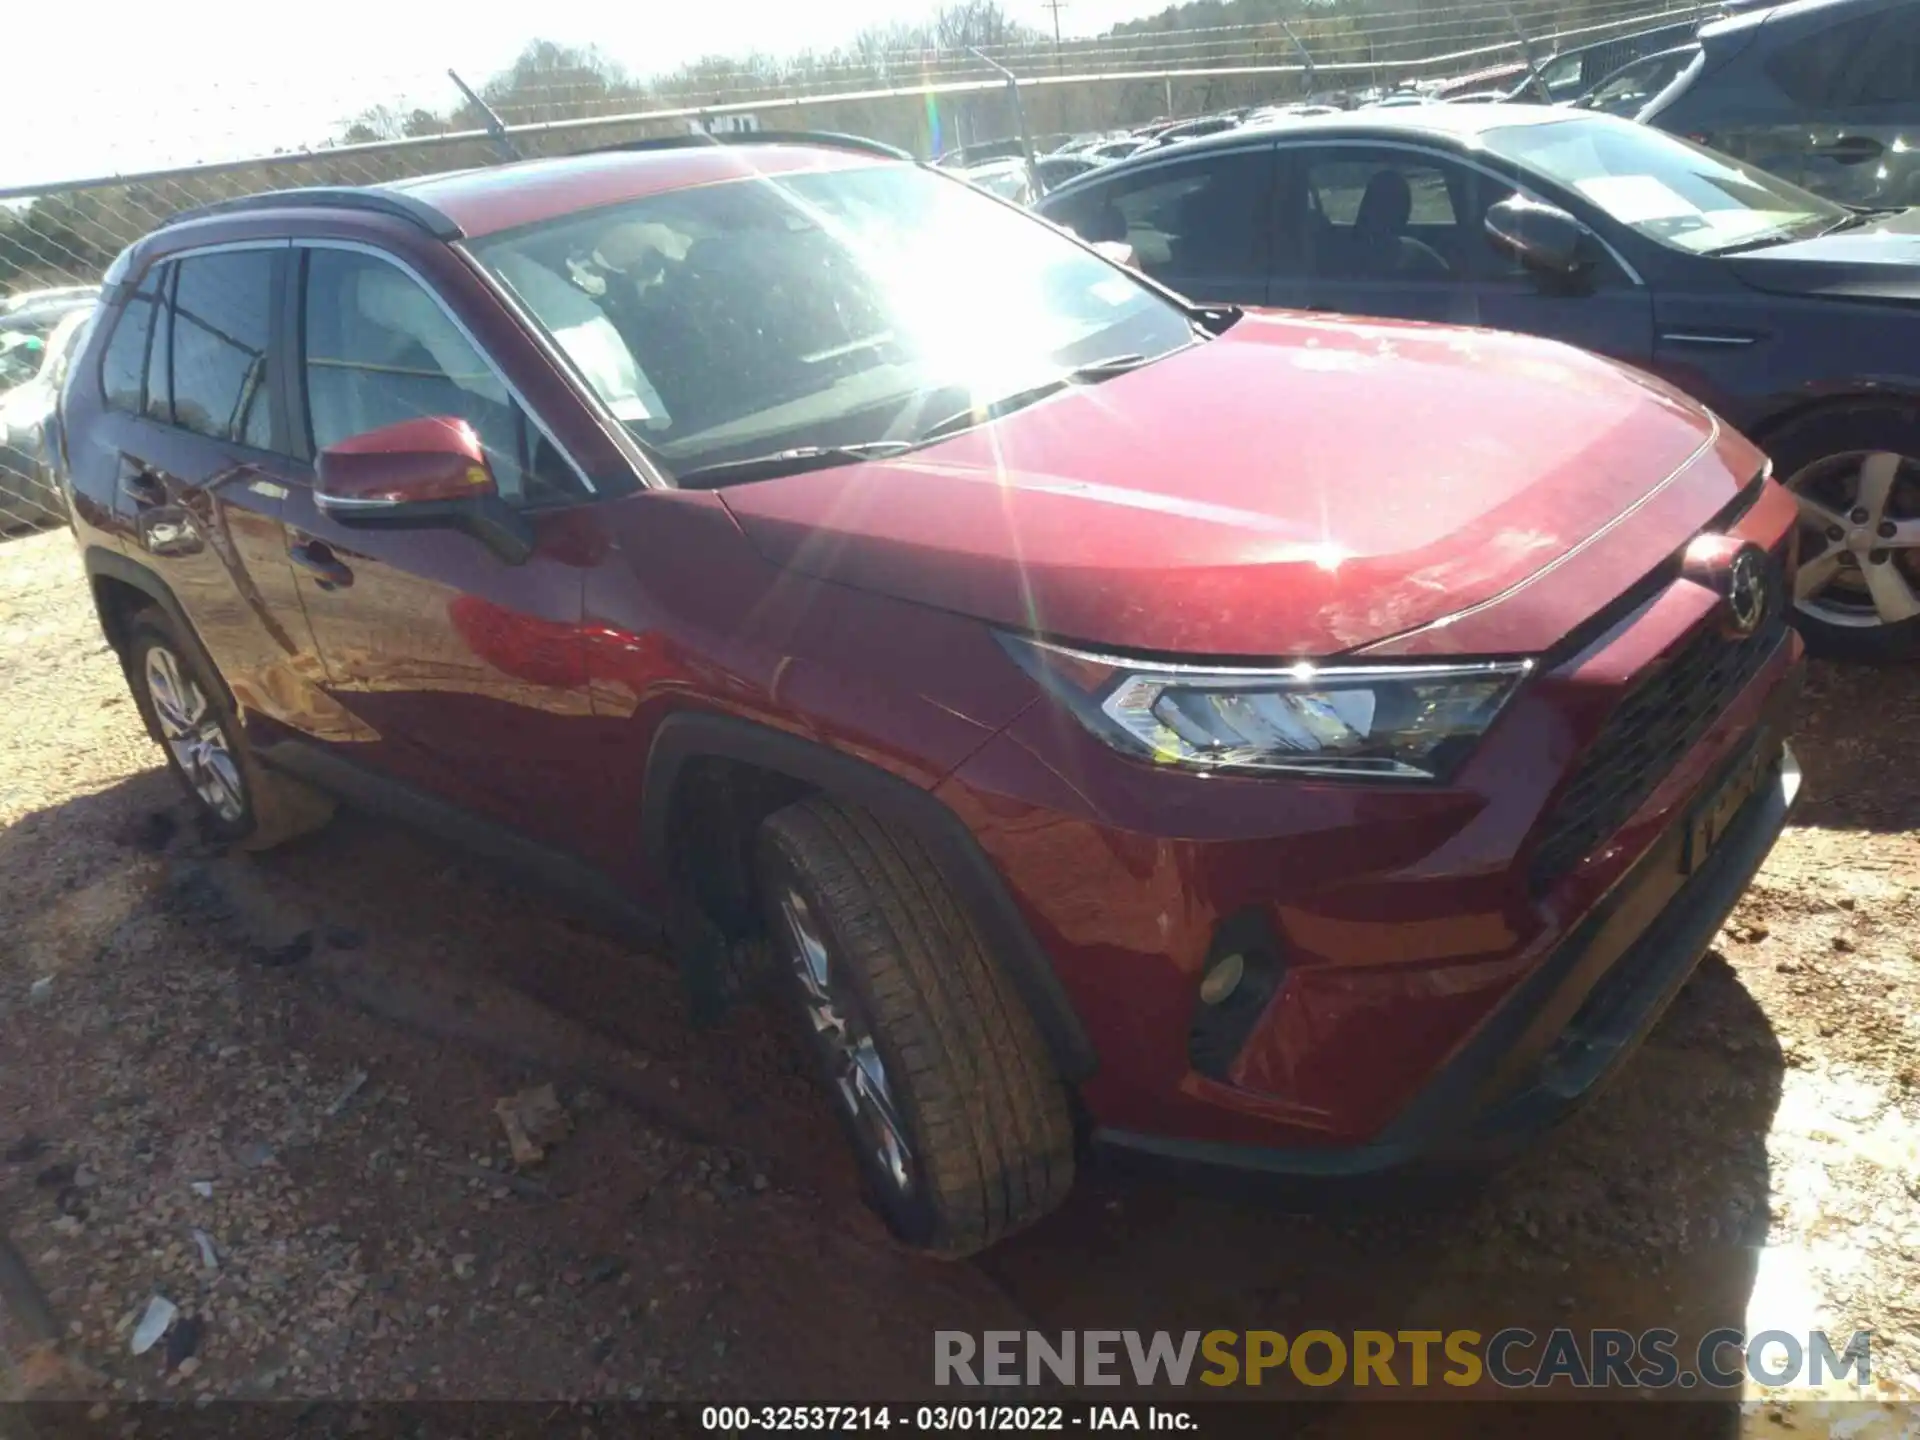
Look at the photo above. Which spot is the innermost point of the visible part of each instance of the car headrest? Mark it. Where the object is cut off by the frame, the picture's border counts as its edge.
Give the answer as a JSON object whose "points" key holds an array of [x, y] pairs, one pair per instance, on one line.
{"points": [[1386, 206]]}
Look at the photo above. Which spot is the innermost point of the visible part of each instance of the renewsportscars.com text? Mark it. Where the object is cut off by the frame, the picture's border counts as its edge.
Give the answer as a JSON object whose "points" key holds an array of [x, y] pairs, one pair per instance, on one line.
{"points": [[1513, 1358]]}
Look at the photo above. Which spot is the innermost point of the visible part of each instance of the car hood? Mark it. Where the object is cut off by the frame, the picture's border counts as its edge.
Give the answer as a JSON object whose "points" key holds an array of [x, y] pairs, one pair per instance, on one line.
{"points": [[1299, 486], [1878, 261]]}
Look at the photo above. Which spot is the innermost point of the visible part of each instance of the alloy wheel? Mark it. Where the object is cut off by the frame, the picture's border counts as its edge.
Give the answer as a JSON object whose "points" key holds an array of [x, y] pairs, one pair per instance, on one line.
{"points": [[838, 1021], [193, 731], [1859, 539]]}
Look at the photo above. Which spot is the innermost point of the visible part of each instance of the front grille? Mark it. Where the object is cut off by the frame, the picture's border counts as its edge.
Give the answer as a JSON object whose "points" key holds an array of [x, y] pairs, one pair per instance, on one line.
{"points": [[1657, 722]]}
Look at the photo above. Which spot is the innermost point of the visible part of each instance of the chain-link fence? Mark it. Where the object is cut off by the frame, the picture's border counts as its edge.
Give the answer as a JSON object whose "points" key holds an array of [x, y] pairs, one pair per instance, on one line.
{"points": [[925, 99]]}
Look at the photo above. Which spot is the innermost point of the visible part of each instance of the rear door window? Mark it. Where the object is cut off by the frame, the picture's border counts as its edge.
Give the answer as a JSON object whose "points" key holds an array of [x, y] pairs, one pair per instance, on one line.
{"points": [[1377, 215], [1822, 71], [1206, 217], [222, 345], [1891, 75]]}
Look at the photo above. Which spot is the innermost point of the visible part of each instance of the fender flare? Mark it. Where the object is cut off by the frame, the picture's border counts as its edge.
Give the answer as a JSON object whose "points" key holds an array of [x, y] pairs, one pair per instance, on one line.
{"points": [[693, 735], [100, 562]]}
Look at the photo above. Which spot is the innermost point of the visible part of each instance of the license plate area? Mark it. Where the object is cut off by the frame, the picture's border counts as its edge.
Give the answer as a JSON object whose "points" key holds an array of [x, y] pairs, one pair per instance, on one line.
{"points": [[1708, 821]]}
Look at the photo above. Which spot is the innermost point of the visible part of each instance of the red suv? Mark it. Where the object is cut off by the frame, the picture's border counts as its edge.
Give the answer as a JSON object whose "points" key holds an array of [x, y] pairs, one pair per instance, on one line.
{"points": [[1261, 739]]}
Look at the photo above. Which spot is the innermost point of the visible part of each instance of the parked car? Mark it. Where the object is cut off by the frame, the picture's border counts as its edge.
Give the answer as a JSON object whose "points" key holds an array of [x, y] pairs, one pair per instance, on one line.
{"points": [[1825, 93], [1400, 100], [1489, 80], [1008, 179], [1119, 149], [36, 312], [1633, 87], [1087, 702], [30, 495], [965, 156], [1573, 73], [1053, 171], [24, 300], [21, 352], [1194, 129], [1790, 316]]}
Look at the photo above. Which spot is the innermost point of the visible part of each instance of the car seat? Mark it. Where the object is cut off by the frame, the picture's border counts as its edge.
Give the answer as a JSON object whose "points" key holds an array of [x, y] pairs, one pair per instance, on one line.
{"points": [[1379, 243]]}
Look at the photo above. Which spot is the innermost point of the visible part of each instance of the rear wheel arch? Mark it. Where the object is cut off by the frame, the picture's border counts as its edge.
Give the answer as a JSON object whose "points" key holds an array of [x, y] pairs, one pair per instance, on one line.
{"points": [[122, 588], [1803, 408], [763, 770]]}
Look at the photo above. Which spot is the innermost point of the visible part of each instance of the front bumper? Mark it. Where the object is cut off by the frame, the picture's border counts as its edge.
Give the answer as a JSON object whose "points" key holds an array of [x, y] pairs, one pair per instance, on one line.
{"points": [[1561, 1033]]}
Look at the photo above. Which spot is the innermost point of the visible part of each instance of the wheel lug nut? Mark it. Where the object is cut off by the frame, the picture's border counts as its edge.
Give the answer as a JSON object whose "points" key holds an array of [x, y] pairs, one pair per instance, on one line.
{"points": [[1888, 529], [1836, 534], [1859, 516], [1878, 557]]}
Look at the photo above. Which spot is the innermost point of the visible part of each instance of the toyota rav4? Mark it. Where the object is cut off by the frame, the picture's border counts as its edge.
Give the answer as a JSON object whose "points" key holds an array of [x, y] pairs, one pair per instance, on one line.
{"points": [[1262, 739]]}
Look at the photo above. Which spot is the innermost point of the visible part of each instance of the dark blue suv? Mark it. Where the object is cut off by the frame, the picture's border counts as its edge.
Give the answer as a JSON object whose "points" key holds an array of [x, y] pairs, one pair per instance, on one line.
{"points": [[1825, 93]]}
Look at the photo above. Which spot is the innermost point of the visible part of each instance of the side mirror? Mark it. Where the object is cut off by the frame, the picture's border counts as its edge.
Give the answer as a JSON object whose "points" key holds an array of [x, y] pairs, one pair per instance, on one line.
{"points": [[1544, 238], [426, 473]]}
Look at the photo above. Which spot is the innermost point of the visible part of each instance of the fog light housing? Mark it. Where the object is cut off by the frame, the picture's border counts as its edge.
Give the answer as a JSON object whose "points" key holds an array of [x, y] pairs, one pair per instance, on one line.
{"points": [[1242, 974]]}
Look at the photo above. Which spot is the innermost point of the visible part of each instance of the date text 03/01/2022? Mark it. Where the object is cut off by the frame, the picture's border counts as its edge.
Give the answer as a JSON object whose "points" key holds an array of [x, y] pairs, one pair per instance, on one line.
{"points": [[922, 1419]]}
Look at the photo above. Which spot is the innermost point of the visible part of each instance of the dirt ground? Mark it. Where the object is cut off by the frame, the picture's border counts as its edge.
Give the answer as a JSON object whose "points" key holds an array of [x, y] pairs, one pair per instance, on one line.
{"points": [[263, 1088]]}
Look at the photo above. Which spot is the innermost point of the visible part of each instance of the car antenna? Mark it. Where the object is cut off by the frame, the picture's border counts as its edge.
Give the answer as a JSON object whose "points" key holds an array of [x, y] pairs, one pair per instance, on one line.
{"points": [[496, 127], [1306, 57], [1534, 82], [1019, 114]]}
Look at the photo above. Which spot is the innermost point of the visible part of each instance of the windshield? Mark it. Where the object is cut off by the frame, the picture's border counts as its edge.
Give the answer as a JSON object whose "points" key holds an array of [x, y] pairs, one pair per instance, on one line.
{"points": [[1667, 189], [828, 308]]}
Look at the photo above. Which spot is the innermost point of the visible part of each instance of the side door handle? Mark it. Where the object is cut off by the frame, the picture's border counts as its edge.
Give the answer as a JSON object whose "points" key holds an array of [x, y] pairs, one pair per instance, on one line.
{"points": [[317, 558], [139, 484], [1852, 150]]}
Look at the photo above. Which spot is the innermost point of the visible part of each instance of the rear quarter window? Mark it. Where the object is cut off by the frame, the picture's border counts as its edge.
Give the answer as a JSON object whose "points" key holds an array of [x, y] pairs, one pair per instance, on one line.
{"points": [[1822, 70], [123, 368]]}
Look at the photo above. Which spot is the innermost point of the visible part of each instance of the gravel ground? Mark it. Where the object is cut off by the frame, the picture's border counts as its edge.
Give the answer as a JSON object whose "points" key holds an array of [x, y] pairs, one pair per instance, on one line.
{"points": [[263, 1088]]}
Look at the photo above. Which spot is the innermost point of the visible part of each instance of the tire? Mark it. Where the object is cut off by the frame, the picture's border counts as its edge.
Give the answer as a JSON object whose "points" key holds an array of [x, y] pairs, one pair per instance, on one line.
{"points": [[982, 1141], [1856, 599], [195, 723]]}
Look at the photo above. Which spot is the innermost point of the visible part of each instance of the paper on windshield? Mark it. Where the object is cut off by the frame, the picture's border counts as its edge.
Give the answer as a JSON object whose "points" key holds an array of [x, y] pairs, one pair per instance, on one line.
{"points": [[1633, 199]]}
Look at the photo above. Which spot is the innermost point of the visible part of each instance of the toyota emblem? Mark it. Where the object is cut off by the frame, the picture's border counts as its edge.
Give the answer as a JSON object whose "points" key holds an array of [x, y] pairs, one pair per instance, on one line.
{"points": [[1746, 591], [1736, 571]]}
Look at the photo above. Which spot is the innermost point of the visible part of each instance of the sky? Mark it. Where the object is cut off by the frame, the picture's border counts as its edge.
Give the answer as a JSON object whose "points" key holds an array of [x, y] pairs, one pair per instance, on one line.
{"points": [[222, 79]]}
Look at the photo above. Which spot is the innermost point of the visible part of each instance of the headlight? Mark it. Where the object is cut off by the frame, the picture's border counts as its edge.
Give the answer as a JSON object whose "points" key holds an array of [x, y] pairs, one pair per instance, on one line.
{"points": [[1413, 722]]}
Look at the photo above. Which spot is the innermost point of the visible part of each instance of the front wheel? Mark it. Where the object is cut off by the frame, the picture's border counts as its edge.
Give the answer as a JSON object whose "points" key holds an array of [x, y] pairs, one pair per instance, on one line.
{"points": [[1855, 471], [957, 1120]]}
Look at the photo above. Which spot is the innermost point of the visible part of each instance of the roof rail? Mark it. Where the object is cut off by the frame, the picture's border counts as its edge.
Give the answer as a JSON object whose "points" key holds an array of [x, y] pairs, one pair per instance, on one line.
{"points": [[826, 138], [334, 197]]}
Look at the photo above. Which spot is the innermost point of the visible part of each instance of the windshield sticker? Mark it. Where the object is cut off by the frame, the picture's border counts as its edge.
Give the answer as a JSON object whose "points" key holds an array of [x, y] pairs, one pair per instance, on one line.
{"points": [[1634, 199]]}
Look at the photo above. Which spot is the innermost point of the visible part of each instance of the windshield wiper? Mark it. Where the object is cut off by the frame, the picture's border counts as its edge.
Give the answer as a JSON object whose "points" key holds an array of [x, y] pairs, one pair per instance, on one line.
{"points": [[1757, 242], [1094, 370], [1862, 215], [786, 462]]}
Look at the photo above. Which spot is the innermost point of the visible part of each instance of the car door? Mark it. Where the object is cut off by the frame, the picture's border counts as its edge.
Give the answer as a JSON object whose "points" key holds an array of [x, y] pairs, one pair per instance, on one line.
{"points": [[1832, 104], [468, 671], [1197, 223], [1607, 308], [1367, 229], [198, 424]]}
